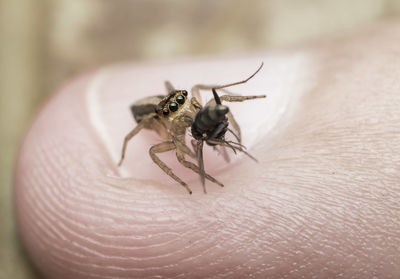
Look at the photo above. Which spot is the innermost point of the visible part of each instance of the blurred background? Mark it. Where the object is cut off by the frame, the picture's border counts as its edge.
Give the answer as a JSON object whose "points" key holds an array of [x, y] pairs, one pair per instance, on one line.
{"points": [[44, 43]]}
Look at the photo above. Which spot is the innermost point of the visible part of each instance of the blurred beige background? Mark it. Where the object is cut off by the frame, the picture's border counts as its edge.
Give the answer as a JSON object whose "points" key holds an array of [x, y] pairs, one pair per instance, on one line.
{"points": [[44, 43]]}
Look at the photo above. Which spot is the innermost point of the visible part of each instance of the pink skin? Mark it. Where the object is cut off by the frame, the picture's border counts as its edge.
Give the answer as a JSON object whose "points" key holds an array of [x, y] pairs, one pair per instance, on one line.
{"points": [[323, 201]]}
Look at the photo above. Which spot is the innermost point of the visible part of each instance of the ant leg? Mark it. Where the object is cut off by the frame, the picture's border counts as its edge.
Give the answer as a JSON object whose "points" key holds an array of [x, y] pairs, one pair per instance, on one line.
{"points": [[181, 158], [164, 147], [222, 151], [233, 145]]}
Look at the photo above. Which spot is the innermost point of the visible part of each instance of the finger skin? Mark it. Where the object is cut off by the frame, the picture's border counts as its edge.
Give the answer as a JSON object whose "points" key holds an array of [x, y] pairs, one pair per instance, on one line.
{"points": [[322, 202]]}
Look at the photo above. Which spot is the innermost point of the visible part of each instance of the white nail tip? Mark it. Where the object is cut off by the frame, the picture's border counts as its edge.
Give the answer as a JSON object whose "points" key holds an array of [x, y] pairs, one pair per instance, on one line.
{"points": [[96, 111]]}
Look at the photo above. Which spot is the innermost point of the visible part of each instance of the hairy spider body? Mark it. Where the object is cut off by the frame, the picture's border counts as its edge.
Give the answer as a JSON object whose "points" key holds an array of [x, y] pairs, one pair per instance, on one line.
{"points": [[177, 111], [171, 115], [145, 106]]}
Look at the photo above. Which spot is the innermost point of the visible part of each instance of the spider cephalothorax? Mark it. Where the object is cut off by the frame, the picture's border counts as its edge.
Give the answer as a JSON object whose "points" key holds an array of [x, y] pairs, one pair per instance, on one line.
{"points": [[171, 103]]}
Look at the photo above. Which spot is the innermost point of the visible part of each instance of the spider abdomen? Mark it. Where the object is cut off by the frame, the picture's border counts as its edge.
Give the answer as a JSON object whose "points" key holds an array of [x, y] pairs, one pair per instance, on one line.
{"points": [[144, 107]]}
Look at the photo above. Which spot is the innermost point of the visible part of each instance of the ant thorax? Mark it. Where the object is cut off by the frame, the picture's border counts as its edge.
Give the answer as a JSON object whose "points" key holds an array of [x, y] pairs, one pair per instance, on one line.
{"points": [[176, 112]]}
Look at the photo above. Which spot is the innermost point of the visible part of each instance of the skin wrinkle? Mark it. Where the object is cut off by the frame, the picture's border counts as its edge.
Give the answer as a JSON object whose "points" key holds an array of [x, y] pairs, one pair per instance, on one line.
{"points": [[300, 157], [97, 243], [327, 204]]}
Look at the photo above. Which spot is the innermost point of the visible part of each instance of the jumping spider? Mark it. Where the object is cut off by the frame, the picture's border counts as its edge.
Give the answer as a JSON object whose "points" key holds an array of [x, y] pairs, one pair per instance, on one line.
{"points": [[171, 115]]}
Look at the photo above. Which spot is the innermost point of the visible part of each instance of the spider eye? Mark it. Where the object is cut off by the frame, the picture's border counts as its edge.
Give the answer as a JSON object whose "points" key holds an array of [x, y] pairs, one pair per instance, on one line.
{"points": [[165, 111], [184, 92], [173, 106], [180, 99]]}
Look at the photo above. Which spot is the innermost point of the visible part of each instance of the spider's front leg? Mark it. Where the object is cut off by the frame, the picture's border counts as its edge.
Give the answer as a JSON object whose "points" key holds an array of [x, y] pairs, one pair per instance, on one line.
{"points": [[180, 155], [229, 98], [164, 147], [232, 120], [196, 94], [196, 103], [196, 89], [169, 86]]}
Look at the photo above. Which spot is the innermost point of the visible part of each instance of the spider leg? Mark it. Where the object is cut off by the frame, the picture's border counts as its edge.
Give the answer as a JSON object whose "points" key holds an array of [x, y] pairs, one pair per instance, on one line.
{"points": [[127, 138], [180, 144], [180, 155], [198, 149], [200, 160], [238, 137], [164, 147], [231, 118], [222, 151], [196, 103], [169, 86], [181, 158], [229, 98], [196, 89], [146, 120], [196, 92], [240, 82]]}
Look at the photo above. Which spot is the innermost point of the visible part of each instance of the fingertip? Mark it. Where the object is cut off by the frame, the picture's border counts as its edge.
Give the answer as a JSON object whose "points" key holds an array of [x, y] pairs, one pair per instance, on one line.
{"points": [[81, 216]]}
